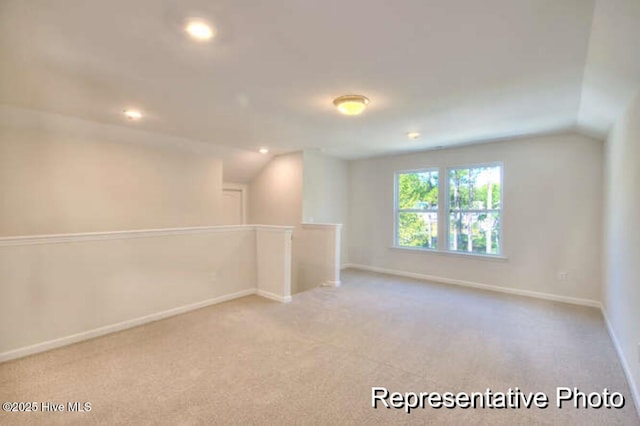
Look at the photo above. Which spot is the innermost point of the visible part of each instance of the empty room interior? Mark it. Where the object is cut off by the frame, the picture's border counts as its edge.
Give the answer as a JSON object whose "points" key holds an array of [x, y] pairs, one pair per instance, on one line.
{"points": [[320, 212]]}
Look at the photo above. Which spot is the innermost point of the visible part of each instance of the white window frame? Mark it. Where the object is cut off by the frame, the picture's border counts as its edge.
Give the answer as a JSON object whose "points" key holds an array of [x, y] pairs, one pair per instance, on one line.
{"points": [[444, 210], [397, 210], [447, 209]]}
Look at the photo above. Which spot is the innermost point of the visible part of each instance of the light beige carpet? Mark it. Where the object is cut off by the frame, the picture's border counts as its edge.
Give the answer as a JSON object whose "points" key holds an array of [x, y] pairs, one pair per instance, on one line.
{"points": [[314, 361]]}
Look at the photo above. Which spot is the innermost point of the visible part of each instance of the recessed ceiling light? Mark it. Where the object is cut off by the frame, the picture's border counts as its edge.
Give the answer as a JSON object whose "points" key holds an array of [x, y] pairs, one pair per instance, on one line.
{"points": [[199, 30], [263, 150], [132, 114], [413, 135], [351, 104]]}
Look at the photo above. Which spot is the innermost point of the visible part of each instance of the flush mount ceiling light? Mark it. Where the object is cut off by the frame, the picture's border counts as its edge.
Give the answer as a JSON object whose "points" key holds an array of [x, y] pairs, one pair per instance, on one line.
{"points": [[413, 135], [351, 104], [132, 114], [199, 30], [263, 150]]}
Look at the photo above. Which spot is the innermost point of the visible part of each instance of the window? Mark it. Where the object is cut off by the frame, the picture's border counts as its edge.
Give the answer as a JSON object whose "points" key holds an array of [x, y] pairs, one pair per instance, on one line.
{"points": [[475, 207], [469, 221], [417, 209]]}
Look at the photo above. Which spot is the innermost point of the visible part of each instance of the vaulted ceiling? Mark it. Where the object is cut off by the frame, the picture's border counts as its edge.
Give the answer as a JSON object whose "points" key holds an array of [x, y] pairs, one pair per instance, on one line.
{"points": [[458, 71]]}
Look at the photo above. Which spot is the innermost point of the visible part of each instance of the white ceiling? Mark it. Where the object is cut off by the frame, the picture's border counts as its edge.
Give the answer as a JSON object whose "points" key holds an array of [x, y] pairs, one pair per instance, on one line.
{"points": [[458, 71], [612, 74]]}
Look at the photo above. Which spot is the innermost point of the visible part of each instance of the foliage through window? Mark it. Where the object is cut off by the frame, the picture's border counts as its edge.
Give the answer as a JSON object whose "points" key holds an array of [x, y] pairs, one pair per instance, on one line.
{"points": [[473, 198], [475, 202], [417, 209]]}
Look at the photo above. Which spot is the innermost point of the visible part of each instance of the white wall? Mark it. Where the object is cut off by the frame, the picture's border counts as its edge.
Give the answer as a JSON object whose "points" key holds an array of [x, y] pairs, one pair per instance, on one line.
{"points": [[276, 198], [325, 195], [61, 175], [326, 192], [239, 165], [61, 289], [275, 194], [58, 288], [621, 293], [51, 182], [274, 264], [234, 208], [319, 255], [552, 215]]}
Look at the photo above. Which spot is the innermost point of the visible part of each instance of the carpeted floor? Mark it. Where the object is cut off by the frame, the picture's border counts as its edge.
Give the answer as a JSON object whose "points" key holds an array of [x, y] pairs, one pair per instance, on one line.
{"points": [[314, 361]]}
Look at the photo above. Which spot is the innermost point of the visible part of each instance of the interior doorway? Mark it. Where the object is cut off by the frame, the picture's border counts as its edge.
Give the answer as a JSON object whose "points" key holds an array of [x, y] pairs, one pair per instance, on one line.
{"points": [[233, 205]]}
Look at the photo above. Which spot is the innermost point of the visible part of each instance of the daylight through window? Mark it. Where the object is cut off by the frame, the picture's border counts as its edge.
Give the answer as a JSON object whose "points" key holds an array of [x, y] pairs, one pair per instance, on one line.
{"points": [[417, 209], [475, 203], [470, 220]]}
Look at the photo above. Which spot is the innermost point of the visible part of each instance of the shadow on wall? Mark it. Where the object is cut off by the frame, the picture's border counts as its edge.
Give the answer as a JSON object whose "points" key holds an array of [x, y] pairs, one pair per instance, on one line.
{"points": [[316, 254]]}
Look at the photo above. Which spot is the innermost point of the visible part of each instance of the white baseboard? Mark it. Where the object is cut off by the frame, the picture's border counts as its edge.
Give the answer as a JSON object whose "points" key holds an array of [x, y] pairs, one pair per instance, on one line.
{"points": [[101, 331], [331, 284], [273, 296], [515, 291], [346, 266], [635, 392]]}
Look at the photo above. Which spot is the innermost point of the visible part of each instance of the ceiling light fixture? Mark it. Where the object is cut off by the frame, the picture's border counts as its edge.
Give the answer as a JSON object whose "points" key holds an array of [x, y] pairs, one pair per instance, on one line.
{"points": [[413, 135], [132, 114], [351, 104], [263, 150], [199, 30]]}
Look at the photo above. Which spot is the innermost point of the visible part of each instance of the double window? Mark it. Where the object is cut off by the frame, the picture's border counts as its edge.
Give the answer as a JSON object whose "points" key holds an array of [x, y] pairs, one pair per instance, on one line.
{"points": [[468, 221]]}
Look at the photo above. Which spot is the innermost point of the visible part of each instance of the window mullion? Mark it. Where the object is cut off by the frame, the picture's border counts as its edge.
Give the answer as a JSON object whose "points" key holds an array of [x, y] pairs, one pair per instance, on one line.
{"points": [[443, 208], [418, 210], [417, 222]]}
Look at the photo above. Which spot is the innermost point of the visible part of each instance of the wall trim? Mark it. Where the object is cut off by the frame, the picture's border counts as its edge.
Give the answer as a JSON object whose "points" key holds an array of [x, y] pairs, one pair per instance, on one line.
{"points": [[272, 228], [136, 233], [112, 328], [633, 386], [314, 225], [243, 189], [133, 322], [635, 391], [489, 287], [472, 256], [330, 283], [273, 296]]}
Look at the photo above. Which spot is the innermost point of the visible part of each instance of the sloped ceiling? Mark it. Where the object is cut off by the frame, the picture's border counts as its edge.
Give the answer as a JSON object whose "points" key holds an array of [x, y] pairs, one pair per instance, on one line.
{"points": [[459, 71], [612, 73]]}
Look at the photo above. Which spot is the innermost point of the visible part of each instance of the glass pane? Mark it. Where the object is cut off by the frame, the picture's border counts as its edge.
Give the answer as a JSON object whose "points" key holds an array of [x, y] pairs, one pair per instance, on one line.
{"points": [[474, 232], [459, 189], [476, 188], [418, 230], [418, 190]]}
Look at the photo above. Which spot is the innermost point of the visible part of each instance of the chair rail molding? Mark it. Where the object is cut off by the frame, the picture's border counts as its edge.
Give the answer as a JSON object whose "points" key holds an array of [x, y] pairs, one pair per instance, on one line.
{"points": [[101, 282]]}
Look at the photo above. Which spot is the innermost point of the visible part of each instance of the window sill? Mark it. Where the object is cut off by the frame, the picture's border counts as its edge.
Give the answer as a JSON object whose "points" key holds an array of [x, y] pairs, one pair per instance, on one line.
{"points": [[476, 256]]}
